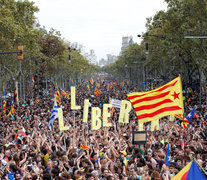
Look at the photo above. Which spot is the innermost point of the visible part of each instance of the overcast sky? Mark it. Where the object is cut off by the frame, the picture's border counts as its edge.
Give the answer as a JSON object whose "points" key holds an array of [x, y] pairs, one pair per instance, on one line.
{"points": [[98, 24]]}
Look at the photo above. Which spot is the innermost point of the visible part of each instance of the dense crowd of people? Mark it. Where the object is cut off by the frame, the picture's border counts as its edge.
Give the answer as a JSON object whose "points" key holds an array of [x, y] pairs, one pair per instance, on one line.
{"points": [[30, 151]]}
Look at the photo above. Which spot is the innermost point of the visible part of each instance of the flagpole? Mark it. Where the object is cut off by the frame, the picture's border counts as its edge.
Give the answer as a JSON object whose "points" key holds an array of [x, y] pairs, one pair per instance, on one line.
{"points": [[105, 129], [203, 170], [184, 145], [74, 119], [64, 141]]}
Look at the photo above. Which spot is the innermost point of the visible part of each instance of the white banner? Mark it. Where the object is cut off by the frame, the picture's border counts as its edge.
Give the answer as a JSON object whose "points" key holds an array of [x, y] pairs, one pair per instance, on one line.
{"points": [[116, 103]]}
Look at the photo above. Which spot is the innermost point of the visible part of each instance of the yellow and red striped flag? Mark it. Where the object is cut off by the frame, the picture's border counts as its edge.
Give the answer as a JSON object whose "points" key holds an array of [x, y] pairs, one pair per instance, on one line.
{"points": [[96, 92], [98, 85], [12, 111], [179, 116], [57, 96], [184, 122], [37, 100], [91, 81], [160, 102], [4, 103], [84, 147], [33, 82], [108, 87], [88, 86], [15, 94], [112, 108], [66, 95], [122, 83], [111, 85]]}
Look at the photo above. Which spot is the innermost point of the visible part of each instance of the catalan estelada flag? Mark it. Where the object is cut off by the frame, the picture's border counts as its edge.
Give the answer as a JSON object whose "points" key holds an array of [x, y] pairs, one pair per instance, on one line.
{"points": [[190, 172], [57, 96], [96, 92], [15, 94], [167, 157], [88, 86], [91, 81], [98, 85], [66, 95], [186, 121], [4, 103], [205, 115], [33, 83], [160, 102], [84, 147], [12, 111], [122, 83], [179, 116], [108, 87], [188, 118], [112, 108], [111, 85], [37, 100]]}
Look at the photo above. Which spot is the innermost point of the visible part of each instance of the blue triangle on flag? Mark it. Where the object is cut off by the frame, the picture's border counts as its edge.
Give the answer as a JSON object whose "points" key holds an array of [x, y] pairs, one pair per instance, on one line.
{"points": [[195, 173]]}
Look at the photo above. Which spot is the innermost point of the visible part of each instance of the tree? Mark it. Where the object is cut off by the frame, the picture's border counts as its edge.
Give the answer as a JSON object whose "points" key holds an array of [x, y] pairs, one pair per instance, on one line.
{"points": [[16, 19]]}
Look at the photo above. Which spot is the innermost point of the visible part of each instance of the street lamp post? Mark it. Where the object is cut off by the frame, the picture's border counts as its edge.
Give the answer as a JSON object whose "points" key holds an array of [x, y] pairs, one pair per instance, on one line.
{"points": [[125, 65], [147, 53], [70, 50]]}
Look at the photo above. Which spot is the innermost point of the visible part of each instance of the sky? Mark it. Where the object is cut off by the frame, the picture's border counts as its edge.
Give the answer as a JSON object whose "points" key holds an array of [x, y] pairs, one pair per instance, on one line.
{"points": [[98, 24]]}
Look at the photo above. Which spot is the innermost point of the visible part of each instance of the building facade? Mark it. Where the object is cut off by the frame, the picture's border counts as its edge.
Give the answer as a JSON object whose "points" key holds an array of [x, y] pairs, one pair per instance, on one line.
{"points": [[91, 57], [126, 41]]}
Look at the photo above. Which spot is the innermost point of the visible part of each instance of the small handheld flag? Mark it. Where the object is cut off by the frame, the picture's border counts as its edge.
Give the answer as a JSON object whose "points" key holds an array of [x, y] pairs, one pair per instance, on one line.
{"points": [[54, 115], [167, 158], [205, 115], [189, 118], [33, 83], [4, 103], [96, 92], [15, 94], [84, 147], [12, 111], [57, 96]]}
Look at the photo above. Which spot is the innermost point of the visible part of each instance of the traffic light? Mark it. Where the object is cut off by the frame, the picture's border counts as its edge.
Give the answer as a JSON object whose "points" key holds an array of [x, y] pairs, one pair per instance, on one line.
{"points": [[20, 54]]}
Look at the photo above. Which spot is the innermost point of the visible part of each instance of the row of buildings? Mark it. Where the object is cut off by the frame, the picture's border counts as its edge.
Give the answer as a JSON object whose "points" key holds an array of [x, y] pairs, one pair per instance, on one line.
{"points": [[92, 58]]}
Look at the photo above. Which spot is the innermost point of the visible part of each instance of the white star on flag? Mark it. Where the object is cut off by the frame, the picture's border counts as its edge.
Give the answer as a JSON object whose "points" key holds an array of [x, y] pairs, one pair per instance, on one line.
{"points": [[189, 115], [168, 158]]}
